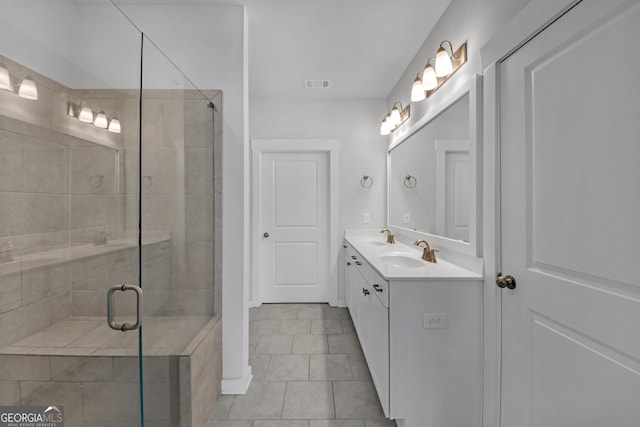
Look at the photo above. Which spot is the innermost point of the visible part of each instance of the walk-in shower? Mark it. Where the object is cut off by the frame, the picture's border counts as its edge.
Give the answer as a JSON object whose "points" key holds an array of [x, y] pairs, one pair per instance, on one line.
{"points": [[110, 176]]}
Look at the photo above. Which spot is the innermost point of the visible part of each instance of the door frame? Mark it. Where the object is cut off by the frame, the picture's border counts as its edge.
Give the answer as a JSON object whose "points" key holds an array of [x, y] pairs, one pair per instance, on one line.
{"points": [[530, 21], [302, 145]]}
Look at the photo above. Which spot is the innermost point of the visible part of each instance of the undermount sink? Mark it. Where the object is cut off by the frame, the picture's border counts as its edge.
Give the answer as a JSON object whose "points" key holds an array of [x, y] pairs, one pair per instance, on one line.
{"points": [[377, 243], [399, 260]]}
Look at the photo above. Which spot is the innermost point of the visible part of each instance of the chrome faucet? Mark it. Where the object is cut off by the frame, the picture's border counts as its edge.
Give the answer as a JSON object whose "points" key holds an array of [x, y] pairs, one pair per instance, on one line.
{"points": [[101, 238], [5, 252], [428, 254], [390, 237]]}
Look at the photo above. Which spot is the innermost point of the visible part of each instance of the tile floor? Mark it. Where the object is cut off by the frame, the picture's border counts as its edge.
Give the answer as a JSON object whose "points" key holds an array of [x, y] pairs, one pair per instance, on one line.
{"points": [[308, 371]]}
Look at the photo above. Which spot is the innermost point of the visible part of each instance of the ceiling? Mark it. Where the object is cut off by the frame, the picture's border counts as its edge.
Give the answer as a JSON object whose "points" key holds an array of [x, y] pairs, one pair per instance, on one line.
{"points": [[361, 46]]}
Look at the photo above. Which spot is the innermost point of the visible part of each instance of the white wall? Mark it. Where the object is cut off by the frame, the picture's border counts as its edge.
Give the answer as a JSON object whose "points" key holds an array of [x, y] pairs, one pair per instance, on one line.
{"points": [[356, 123]]}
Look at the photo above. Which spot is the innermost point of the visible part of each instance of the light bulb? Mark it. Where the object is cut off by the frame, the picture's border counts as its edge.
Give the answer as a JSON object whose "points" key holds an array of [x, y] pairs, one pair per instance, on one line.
{"points": [[396, 118], [384, 127], [5, 77], [86, 115], [28, 89], [101, 120], [417, 91], [114, 126], [429, 79], [444, 67]]}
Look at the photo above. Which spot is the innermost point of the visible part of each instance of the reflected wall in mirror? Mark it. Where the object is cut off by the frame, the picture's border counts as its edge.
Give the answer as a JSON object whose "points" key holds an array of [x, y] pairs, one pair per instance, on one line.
{"points": [[425, 168], [433, 174]]}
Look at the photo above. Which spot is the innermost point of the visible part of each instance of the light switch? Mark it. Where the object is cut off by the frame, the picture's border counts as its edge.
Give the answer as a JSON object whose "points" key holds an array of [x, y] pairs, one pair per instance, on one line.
{"points": [[406, 218]]}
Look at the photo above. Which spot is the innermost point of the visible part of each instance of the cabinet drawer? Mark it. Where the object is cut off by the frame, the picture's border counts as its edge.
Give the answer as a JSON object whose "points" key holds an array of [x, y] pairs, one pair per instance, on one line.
{"points": [[381, 288]]}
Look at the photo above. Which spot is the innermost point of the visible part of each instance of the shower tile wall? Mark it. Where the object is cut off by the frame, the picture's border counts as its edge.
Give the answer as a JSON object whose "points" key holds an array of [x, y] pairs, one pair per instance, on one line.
{"points": [[178, 195], [46, 200], [49, 198]]}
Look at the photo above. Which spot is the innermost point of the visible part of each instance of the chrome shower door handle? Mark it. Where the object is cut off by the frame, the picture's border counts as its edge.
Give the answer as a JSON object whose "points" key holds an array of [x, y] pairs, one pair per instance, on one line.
{"points": [[124, 326]]}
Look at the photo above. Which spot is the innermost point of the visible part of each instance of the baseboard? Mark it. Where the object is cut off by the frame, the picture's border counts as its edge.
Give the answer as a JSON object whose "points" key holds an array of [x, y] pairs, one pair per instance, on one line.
{"points": [[237, 385], [338, 303]]}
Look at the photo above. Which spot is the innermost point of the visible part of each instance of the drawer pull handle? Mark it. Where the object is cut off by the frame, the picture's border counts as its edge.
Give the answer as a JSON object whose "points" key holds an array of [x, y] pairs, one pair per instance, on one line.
{"points": [[353, 257], [378, 288], [348, 263], [358, 263], [365, 291]]}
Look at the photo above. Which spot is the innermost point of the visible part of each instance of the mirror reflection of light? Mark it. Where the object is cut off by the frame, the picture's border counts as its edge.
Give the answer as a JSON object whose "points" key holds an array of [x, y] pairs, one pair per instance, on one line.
{"points": [[5, 77], [114, 126], [28, 89]]}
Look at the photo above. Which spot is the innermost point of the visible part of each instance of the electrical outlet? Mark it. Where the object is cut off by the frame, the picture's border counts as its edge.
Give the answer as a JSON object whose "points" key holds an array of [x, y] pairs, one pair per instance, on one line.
{"points": [[406, 218], [434, 320], [366, 218]]}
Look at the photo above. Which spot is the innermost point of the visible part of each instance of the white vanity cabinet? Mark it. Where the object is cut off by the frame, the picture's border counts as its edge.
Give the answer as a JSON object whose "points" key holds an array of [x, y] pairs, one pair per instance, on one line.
{"points": [[422, 339], [366, 294]]}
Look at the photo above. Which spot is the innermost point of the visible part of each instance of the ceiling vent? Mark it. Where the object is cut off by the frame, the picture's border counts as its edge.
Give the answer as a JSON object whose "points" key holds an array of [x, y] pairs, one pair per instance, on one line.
{"points": [[317, 84]]}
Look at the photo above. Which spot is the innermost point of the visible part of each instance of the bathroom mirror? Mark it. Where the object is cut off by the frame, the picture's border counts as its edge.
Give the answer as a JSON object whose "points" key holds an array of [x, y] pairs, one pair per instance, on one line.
{"points": [[434, 174]]}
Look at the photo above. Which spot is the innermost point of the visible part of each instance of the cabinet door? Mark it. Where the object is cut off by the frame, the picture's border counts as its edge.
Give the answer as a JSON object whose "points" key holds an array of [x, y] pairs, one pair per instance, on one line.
{"points": [[348, 268], [363, 295], [378, 356], [355, 289]]}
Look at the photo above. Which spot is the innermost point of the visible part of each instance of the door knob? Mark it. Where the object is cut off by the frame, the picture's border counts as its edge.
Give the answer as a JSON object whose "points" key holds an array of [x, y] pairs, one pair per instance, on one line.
{"points": [[265, 235], [508, 282]]}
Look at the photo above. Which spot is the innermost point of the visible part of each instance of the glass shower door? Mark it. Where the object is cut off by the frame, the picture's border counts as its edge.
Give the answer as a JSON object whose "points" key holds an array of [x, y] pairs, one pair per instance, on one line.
{"points": [[180, 334], [65, 236], [106, 178]]}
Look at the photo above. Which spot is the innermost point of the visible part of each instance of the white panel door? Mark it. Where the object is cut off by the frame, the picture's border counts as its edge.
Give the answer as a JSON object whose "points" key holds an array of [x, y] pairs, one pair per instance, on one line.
{"points": [[570, 131], [294, 226]]}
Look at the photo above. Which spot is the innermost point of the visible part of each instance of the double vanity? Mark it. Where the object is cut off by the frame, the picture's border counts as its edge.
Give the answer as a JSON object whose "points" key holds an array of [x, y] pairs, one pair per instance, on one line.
{"points": [[420, 327]]}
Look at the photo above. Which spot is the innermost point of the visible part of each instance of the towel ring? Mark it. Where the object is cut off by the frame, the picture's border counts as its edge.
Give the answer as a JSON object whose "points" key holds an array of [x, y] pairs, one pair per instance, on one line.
{"points": [[410, 181], [366, 181]]}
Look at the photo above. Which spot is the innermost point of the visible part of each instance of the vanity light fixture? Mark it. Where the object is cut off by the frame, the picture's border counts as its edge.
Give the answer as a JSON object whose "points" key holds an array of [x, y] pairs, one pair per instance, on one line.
{"points": [[444, 67], [395, 118], [417, 92], [384, 127], [114, 125], [5, 77], [429, 78], [101, 120], [28, 89], [86, 115]]}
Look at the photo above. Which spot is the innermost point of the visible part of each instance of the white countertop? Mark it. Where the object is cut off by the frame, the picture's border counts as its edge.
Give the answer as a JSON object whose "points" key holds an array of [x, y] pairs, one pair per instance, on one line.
{"points": [[372, 247]]}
